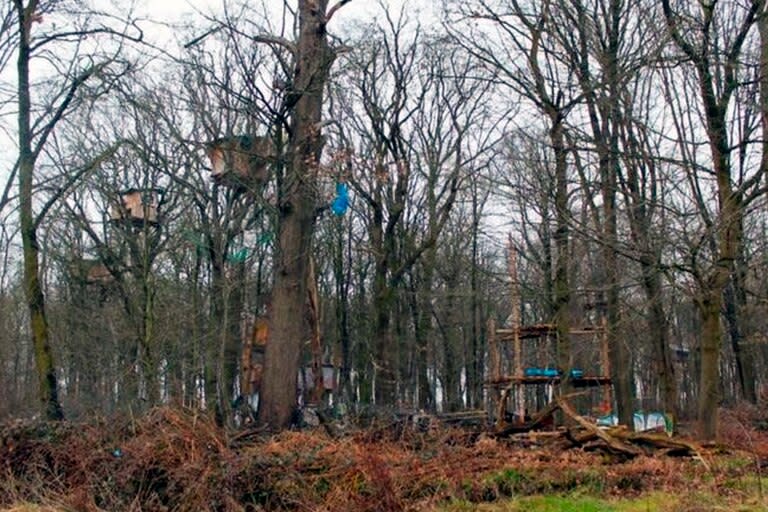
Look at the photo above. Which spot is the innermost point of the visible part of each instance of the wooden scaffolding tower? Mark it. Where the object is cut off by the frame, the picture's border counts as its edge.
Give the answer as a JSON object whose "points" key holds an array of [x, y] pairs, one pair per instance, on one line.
{"points": [[513, 385]]}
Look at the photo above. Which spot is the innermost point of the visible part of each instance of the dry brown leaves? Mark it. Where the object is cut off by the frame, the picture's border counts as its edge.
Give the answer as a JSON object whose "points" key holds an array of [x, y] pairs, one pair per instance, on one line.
{"points": [[175, 459]]}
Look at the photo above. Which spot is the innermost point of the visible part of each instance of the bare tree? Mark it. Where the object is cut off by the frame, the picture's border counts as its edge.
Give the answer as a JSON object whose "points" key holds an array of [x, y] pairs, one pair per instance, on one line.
{"points": [[297, 204], [32, 138], [515, 40], [713, 38]]}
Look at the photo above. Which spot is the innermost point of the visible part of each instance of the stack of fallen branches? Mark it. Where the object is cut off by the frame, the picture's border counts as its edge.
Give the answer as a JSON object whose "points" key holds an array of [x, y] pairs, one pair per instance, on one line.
{"points": [[619, 440]]}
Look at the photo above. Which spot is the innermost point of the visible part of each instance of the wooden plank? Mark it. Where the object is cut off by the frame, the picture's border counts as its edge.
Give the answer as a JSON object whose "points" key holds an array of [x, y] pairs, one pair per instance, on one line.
{"points": [[587, 381]]}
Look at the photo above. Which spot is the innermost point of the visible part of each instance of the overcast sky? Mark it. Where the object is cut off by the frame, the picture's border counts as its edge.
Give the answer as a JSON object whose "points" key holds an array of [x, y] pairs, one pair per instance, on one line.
{"points": [[194, 11]]}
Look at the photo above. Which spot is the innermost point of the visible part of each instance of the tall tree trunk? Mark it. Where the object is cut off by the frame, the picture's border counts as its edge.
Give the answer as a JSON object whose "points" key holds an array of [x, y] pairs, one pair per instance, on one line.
{"points": [[475, 360], [451, 367], [424, 291], [215, 339], [296, 217], [422, 317], [621, 358], [147, 356], [341, 271], [562, 289], [717, 81], [231, 341], [385, 385], [383, 244], [46, 373]]}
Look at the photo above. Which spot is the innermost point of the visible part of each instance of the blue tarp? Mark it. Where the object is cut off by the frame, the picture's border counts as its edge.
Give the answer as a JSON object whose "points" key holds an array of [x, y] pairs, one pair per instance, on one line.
{"points": [[341, 202]]}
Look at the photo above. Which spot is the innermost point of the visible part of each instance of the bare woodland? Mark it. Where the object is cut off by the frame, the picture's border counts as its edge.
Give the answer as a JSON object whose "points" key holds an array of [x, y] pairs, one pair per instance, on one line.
{"points": [[616, 147]]}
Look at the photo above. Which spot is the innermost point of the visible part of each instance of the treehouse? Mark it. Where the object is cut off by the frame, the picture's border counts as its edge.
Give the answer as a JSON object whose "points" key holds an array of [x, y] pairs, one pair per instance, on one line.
{"points": [[241, 161], [92, 272], [137, 207]]}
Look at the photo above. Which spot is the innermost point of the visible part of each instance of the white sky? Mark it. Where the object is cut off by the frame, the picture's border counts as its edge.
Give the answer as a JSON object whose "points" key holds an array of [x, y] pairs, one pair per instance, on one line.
{"points": [[355, 11], [196, 13]]}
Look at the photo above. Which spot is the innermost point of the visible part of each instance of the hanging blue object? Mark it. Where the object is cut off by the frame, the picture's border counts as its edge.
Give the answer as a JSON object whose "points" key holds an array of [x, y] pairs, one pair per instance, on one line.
{"points": [[341, 202]]}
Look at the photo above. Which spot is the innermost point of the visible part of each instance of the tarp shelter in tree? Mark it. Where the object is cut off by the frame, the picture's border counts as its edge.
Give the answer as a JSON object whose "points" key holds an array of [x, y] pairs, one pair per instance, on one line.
{"points": [[241, 161], [137, 206]]}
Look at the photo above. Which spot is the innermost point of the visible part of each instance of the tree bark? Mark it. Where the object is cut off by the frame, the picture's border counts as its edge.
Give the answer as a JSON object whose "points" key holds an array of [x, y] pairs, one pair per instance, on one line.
{"points": [[296, 217], [38, 322], [717, 82], [621, 358]]}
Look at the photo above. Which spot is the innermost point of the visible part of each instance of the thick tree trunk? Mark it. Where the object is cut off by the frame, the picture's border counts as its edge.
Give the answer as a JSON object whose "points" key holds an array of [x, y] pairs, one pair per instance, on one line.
{"points": [[452, 367], [728, 242], [385, 382], [147, 356], [620, 356], [384, 350], [424, 291], [716, 87], [422, 318], [709, 377], [38, 323], [297, 204]]}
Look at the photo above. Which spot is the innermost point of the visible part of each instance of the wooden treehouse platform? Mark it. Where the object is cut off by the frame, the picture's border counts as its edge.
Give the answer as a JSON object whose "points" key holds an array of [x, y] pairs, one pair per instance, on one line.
{"points": [[511, 371], [587, 381]]}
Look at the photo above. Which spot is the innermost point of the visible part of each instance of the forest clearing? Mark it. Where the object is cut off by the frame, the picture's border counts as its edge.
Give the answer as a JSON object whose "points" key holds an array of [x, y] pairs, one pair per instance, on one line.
{"points": [[174, 459], [398, 255]]}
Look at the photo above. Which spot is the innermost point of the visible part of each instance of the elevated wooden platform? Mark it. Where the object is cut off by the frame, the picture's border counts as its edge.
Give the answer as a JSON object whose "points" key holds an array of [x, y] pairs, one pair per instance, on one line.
{"points": [[587, 381], [527, 332]]}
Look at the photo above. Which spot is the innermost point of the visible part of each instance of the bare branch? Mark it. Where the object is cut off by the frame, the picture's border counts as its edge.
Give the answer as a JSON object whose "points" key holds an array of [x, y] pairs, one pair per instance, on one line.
{"points": [[332, 10], [199, 38], [275, 40], [73, 179]]}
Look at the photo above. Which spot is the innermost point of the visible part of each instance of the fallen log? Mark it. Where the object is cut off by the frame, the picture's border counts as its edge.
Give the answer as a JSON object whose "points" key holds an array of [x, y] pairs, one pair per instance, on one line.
{"points": [[538, 420], [620, 439], [616, 445]]}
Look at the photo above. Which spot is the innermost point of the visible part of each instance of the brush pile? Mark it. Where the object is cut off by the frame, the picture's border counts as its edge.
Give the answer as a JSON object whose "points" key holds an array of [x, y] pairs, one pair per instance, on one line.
{"points": [[173, 459]]}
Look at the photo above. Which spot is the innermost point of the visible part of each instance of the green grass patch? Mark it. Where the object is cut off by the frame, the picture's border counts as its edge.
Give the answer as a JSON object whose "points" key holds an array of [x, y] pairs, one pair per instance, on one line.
{"points": [[651, 502]]}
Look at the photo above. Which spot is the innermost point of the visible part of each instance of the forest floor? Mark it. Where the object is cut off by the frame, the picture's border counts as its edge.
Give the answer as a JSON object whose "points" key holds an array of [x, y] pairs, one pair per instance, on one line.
{"points": [[174, 459]]}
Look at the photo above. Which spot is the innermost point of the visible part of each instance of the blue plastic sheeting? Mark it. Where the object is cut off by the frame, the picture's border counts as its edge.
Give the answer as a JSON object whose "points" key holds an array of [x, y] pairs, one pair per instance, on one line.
{"points": [[341, 202], [575, 373], [643, 421], [541, 372]]}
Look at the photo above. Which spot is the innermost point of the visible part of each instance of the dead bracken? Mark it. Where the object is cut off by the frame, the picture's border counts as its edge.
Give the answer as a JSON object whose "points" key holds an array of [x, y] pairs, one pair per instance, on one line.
{"points": [[178, 459]]}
